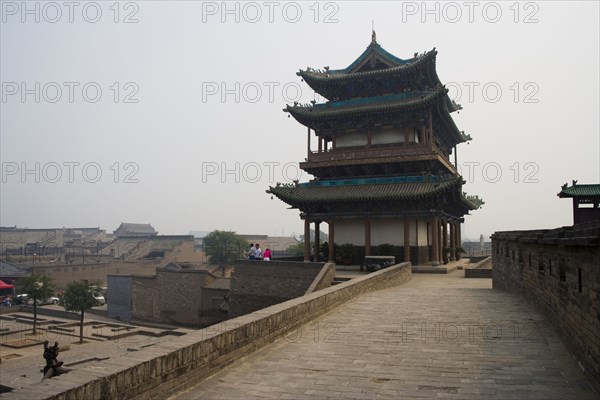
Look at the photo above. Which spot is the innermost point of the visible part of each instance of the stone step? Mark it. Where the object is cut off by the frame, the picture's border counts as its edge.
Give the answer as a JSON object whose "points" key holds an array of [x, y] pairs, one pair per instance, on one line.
{"points": [[339, 279]]}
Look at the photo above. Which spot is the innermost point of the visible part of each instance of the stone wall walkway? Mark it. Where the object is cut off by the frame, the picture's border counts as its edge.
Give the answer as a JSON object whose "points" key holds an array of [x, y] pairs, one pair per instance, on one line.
{"points": [[439, 336]]}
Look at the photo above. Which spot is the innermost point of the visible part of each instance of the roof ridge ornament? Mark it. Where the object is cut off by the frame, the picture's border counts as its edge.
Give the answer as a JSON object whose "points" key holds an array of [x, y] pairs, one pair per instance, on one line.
{"points": [[373, 36]]}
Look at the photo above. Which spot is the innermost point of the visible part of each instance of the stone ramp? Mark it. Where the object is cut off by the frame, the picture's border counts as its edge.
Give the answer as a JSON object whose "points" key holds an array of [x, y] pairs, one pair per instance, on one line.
{"points": [[438, 336]]}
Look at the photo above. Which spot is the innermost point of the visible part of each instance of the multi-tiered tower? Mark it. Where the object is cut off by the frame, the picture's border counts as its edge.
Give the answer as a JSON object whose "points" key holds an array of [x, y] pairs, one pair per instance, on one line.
{"points": [[382, 167]]}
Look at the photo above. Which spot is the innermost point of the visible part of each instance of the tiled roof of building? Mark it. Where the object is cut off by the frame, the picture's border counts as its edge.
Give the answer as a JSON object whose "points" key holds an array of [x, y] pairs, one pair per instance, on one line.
{"points": [[580, 190], [399, 66], [10, 270], [374, 70], [129, 228], [368, 191], [366, 106]]}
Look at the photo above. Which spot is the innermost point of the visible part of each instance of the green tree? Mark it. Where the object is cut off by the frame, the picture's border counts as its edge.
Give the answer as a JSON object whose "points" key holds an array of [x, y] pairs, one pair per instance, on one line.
{"points": [[38, 288], [296, 249], [79, 297], [385, 249], [222, 247]]}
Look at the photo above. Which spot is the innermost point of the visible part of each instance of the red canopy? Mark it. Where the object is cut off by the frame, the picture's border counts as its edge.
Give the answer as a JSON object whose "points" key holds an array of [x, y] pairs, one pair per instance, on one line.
{"points": [[5, 285]]}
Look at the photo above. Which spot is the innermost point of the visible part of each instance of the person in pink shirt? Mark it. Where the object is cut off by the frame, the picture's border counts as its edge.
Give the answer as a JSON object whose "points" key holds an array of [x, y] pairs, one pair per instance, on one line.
{"points": [[267, 255]]}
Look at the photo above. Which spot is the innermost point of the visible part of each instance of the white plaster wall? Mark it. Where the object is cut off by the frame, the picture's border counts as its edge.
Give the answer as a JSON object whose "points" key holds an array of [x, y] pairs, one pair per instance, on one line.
{"points": [[383, 230], [351, 139], [412, 237], [422, 227], [387, 136], [350, 231], [387, 230]]}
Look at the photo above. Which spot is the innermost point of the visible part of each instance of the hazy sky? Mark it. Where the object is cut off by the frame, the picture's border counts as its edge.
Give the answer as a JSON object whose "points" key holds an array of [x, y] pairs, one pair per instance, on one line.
{"points": [[170, 113]]}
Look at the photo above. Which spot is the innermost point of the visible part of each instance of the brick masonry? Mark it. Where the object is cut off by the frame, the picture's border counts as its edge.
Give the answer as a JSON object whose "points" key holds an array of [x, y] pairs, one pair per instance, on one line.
{"points": [[323, 279], [259, 284], [481, 269], [176, 297], [169, 367], [559, 271]]}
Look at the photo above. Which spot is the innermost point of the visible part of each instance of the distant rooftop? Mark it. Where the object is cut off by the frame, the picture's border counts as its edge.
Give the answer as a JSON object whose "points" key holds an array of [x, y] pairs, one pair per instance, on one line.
{"points": [[9, 270], [129, 229]]}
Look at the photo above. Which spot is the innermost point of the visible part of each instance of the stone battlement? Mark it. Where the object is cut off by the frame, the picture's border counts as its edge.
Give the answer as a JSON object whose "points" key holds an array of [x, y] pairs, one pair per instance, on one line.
{"points": [[181, 362], [559, 271]]}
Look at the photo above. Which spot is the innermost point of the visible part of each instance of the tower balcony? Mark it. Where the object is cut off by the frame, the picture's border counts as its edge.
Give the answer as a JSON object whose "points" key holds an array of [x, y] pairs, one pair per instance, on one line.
{"points": [[351, 160], [341, 154]]}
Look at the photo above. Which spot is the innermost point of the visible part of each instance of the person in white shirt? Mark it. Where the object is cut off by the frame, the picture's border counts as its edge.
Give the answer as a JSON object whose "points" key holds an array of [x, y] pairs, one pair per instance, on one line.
{"points": [[258, 252]]}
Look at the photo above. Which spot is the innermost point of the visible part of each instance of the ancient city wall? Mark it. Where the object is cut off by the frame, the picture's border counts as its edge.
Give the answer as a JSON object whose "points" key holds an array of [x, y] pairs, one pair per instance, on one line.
{"points": [[63, 274], [481, 269], [323, 279], [181, 362], [559, 271]]}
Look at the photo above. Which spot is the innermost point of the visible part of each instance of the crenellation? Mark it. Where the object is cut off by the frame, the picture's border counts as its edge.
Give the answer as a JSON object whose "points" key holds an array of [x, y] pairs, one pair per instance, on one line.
{"points": [[561, 278]]}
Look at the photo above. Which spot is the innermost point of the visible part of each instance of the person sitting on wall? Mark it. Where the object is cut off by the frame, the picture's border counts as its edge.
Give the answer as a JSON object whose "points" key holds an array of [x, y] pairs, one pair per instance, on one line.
{"points": [[267, 254]]}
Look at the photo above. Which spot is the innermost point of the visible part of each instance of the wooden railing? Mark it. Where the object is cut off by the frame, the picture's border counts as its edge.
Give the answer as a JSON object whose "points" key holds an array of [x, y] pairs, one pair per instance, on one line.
{"points": [[376, 151]]}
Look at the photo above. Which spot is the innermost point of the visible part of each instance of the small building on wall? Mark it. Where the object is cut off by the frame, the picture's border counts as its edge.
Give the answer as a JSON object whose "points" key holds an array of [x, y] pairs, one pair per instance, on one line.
{"points": [[382, 163], [586, 201], [177, 295]]}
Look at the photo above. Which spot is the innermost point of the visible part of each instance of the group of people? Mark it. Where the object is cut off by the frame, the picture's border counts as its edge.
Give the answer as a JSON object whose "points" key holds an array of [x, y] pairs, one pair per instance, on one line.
{"points": [[256, 253]]}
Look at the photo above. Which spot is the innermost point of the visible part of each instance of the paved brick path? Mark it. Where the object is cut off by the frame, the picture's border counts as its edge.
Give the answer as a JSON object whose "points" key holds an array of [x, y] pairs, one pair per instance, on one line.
{"points": [[442, 337]]}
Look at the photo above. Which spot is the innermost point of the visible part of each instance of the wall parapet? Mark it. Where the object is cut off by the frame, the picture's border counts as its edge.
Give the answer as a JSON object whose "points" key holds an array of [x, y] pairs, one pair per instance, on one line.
{"points": [[558, 270], [259, 284], [481, 269], [324, 279], [181, 362]]}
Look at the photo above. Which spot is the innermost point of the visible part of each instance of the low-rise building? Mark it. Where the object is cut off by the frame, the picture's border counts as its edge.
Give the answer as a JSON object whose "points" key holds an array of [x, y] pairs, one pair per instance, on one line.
{"points": [[179, 294]]}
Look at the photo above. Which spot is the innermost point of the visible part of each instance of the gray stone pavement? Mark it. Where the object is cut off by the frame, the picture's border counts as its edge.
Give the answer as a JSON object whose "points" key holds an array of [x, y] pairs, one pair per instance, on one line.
{"points": [[439, 336], [101, 356]]}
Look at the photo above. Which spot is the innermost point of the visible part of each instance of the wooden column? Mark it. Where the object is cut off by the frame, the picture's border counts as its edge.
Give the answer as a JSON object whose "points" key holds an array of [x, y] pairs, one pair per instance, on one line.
{"points": [[435, 258], [406, 134], [308, 144], [452, 241], [367, 237], [333, 143], [317, 241], [306, 240], [440, 241], [331, 241], [430, 138], [406, 240], [320, 145], [445, 241], [417, 239], [458, 238], [369, 139], [455, 158]]}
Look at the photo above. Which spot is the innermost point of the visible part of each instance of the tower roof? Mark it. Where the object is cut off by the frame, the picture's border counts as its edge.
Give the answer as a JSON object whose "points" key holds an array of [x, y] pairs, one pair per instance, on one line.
{"points": [[589, 190], [326, 116], [407, 188], [377, 68]]}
